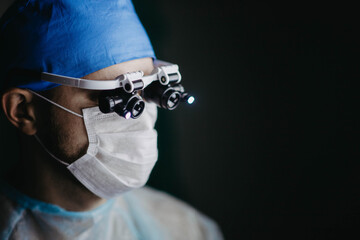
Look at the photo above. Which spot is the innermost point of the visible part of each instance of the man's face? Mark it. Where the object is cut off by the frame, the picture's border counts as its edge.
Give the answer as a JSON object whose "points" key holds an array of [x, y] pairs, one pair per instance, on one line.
{"points": [[63, 133]]}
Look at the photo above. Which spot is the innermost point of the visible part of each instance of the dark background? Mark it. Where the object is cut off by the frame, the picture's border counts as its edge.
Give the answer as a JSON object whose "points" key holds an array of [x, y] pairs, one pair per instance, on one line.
{"points": [[270, 150]]}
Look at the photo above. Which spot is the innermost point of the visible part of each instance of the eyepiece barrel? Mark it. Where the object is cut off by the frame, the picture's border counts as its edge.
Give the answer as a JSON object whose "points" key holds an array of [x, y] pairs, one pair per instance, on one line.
{"points": [[124, 104]]}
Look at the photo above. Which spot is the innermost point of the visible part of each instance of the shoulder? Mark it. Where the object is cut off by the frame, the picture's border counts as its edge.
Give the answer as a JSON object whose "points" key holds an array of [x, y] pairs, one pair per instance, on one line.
{"points": [[9, 217], [176, 216]]}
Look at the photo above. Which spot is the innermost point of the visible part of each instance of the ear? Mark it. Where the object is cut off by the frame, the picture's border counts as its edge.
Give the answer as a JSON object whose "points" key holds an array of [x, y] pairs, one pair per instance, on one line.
{"points": [[18, 107]]}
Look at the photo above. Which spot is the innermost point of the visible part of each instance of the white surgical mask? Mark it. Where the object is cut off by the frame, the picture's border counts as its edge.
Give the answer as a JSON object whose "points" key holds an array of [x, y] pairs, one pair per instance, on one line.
{"points": [[121, 153]]}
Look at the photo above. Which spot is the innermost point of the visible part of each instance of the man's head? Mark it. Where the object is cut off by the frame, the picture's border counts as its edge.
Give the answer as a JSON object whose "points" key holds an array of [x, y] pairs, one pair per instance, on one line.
{"points": [[47, 46], [64, 133], [87, 39], [96, 40]]}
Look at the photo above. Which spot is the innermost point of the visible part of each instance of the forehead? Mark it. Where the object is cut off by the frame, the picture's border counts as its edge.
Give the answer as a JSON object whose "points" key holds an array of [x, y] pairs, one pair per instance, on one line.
{"points": [[111, 72]]}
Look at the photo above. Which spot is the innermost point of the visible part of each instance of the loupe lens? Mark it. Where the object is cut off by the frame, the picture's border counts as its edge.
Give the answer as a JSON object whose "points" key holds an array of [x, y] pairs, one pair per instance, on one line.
{"points": [[107, 103], [170, 99], [164, 96], [127, 105], [136, 106]]}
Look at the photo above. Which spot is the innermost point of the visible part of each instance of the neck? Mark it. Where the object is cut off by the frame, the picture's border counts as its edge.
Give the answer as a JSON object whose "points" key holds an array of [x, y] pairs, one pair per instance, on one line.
{"points": [[41, 177]]}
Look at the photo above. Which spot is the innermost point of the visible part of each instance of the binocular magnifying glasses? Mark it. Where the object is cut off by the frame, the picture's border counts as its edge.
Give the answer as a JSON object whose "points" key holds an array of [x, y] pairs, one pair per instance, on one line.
{"points": [[126, 95]]}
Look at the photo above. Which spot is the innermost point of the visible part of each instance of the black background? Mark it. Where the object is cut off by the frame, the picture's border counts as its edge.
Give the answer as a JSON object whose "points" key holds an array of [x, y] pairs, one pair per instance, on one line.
{"points": [[270, 149]]}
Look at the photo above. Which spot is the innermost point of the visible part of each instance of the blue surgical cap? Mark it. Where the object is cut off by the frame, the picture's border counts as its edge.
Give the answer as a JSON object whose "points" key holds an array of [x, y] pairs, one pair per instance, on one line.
{"points": [[68, 37]]}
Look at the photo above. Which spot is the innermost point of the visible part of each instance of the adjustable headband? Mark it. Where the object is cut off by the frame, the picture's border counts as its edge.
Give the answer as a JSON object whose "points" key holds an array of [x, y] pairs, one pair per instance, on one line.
{"points": [[164, 72]]}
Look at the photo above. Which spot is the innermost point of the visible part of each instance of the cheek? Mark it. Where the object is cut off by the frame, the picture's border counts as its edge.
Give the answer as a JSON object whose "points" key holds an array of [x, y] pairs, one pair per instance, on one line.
{"points": [[62, 132], [73, 136], [67, 135]]}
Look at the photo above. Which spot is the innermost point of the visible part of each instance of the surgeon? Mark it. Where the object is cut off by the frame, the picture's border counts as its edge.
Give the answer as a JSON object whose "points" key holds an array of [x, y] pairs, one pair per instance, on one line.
{"points": [[81, 84]]}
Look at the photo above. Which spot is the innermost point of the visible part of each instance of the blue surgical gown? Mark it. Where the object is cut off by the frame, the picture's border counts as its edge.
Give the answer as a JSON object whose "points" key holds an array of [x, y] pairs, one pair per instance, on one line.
{"points": [[139, 214]]}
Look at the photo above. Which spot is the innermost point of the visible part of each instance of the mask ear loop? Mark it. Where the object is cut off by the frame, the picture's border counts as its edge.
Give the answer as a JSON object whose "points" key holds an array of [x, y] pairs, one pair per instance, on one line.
{"points": [[52, 155], [38, 139], [58, 105]]}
